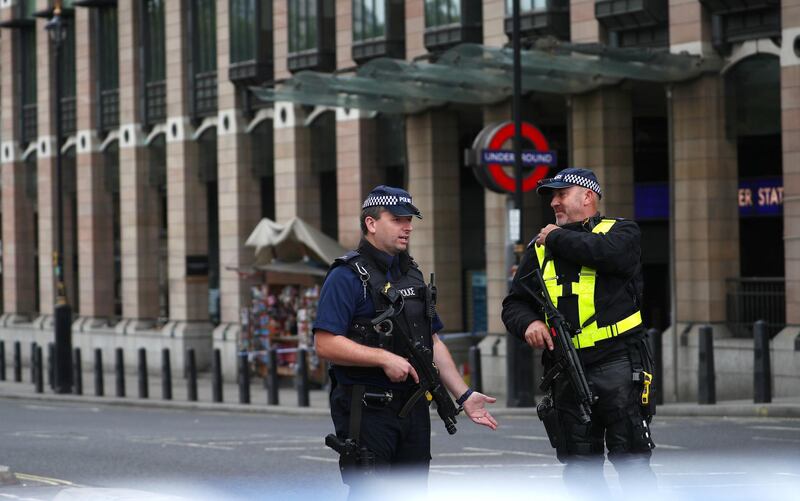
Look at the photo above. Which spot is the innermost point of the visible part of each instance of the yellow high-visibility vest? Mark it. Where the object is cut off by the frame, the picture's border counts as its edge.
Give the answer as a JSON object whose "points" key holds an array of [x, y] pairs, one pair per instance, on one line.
{"points": [[584, 289]]}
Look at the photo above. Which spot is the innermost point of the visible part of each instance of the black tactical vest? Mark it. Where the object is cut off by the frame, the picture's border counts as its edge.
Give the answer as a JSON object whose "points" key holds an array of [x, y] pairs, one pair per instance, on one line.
{"points": [[414, 317]]}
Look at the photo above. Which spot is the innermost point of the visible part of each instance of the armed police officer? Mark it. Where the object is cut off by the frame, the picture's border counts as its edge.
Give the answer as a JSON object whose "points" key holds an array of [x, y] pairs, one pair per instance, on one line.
{"points": [[377, 324], [591, 268]]}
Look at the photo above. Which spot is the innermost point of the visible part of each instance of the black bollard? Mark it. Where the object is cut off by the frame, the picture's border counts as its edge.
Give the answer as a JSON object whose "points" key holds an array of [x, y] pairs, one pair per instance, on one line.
{"points": [[706, 381], [99, 389], [191, 381], [144, 390], [33, 353], [216, 377], [475, 364], [18, 362], [657, 350], [166, 375], [119, 369], [762, 373], [301, 378], [272, 377], [244, 379], [2, 360], [77, 372], [51, 365], [38, 375]]}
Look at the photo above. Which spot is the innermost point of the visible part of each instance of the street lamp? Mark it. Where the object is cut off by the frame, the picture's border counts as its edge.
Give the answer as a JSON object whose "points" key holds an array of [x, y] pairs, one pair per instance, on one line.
{"points": [[519, 356], [62, 313]]}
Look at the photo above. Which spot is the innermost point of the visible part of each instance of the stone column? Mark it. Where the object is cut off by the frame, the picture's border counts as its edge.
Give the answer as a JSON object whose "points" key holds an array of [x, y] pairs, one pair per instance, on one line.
{"points": [[706, 217], [357, 170], [790, 125], [415, 28], [95, 226], [494, 15], [138, 199], [17, 205], [602, 140], [187, 208], [296, 186], [239, 191], [583, 25], [433, 163]]}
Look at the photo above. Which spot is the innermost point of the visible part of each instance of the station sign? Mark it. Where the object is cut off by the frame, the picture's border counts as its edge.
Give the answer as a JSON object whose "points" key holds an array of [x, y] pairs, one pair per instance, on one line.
{"points": [[492, 152]]}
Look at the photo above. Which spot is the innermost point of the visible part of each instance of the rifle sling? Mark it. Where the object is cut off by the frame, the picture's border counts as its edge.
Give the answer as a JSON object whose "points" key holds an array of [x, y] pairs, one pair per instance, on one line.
{"points": [[412, 400]]}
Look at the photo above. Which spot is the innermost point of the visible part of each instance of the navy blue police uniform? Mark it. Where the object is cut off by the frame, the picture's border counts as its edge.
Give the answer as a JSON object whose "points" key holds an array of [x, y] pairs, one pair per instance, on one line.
{"points": [[346, 307]]}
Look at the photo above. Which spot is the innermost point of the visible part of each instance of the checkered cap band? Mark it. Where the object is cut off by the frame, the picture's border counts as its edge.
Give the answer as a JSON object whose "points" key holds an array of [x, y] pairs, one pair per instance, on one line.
{"points": [[580, 181], [382, 200]]}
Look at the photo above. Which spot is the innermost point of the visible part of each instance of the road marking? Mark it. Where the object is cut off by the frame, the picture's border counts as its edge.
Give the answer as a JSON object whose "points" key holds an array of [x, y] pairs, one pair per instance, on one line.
{"points": [[776, 428], [12, 496], [777, 439], [468, 454], [49, 435], [515, 453], [317, 458], [451, 473], [700, 473], [45, 480], [670, 447], [499, 465], [528, 437]]}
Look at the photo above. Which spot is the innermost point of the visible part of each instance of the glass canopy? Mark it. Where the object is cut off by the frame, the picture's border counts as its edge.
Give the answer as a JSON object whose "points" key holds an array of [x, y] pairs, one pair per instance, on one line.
{"points": [[476, 74]]}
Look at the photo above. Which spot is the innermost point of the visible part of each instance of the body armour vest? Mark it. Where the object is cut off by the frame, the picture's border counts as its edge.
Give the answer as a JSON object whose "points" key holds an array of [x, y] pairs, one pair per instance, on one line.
{"points": [[413, 315]]}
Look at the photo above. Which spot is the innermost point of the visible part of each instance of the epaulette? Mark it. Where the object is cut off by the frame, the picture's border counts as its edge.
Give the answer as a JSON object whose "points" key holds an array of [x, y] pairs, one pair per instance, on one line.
{"points": [[347, 257]]}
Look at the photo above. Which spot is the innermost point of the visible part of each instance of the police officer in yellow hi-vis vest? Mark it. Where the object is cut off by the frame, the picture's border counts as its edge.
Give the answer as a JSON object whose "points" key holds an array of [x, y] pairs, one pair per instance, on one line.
{"points": [[591, 266]]}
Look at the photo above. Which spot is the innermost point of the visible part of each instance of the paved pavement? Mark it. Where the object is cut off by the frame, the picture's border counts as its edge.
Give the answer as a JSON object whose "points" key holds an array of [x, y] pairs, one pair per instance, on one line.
{"points": [[288, 398]]}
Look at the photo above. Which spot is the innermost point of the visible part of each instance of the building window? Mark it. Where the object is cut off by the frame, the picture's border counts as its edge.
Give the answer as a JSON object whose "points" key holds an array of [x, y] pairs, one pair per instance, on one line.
{"points": [[451, 22], [251, 41], [540, 18], [152, 36], [27, 38], [634, 24], [369, 19], [378, 29], [741, 21], [108, 67], [204, 57], [311, 35]]}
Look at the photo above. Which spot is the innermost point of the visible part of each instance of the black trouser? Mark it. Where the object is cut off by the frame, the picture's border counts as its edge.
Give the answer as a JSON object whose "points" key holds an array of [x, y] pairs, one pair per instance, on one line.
{"points": [[617, 423], [399, 444]]}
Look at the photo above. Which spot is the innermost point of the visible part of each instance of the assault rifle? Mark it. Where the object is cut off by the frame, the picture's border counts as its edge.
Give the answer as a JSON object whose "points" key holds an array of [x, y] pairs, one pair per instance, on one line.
{"points": [[566, 355], [420, 357]]}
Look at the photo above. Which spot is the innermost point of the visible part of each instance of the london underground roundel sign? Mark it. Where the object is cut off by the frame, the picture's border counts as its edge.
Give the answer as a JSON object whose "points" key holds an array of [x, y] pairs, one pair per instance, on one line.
{"points": [[488, 157]]}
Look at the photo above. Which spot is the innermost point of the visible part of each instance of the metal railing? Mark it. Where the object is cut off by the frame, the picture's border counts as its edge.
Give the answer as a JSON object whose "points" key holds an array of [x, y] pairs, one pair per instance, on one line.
{"points": [[749, 299]]}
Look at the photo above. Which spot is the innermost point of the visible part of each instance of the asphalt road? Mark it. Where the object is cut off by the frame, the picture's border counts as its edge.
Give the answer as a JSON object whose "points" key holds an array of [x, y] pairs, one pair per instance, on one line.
{"points": [[67, 451]]}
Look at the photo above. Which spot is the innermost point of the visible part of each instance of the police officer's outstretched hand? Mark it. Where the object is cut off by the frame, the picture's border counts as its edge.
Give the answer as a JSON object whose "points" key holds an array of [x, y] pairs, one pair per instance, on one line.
{"points": [[475, 410], [397, 368]]}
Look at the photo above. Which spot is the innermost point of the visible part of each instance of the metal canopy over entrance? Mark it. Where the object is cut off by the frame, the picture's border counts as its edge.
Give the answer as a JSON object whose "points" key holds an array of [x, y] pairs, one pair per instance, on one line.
{"points": [[476, 74]]}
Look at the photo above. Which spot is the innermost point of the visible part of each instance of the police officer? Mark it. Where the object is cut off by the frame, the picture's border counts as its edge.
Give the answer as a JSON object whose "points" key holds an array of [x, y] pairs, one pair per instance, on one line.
{"points": [[591, 266], [371, 381]]}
